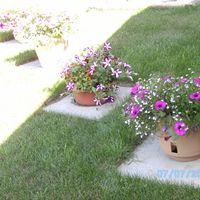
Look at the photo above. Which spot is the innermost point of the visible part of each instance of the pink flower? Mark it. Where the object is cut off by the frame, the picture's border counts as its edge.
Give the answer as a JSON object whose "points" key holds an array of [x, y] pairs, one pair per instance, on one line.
{"points": [[160, 105], [135, 111], [180, 128], [197, 81], [184, 80], [165, 77], [195, 96], [136, 89], [2, 26], [142, 94]]}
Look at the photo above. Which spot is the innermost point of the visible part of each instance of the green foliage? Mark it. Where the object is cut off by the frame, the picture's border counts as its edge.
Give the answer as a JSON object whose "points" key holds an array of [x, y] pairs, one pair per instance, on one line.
{"points": [[22, 57], [6, 36]]}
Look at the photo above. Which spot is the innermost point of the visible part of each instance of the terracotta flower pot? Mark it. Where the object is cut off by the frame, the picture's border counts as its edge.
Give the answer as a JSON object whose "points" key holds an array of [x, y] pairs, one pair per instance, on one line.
{"points": [[85, 98], [186, 148]]}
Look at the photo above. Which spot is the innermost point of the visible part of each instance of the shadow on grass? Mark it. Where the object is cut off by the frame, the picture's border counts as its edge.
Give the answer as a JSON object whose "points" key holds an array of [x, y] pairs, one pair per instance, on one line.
{"points": [[54, 156]]}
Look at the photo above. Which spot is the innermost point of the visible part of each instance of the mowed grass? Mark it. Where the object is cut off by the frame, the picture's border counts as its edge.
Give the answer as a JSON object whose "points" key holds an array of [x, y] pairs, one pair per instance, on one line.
{"points": [[54, 156], [22, 57]]}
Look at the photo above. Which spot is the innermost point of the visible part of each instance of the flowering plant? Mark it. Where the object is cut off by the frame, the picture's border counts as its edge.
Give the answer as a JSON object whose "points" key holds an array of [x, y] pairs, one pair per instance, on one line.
{"points": [[39, 28], [13, 20], [46, 28], [95, 72], [170, 105]]}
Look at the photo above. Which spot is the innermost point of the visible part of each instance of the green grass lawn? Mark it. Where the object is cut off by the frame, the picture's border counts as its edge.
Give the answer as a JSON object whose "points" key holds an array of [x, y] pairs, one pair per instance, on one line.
{"points": [[51, 156]]}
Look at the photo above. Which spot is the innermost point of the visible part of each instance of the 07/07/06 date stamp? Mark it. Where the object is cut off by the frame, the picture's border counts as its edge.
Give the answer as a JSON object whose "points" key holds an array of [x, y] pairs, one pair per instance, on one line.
{"points": [[178, 173]]}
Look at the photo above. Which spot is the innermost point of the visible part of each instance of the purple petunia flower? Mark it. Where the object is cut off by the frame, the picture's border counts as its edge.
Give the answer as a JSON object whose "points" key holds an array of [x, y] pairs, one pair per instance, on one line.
{"points": [[116, 72], [70, 86], [97, 101], [197, 81], [82, 62], [126, 111], [164, 129], [194, 128], [136, 89], [195, 96], [107, 46], [100, 87], [180, 128], [109, 99], [115, 87], [93, 67], [167, 138], [106, 62], [135, 111], [129, 71], [198, 100], [125, 65], [160, 105], [165, 77]]}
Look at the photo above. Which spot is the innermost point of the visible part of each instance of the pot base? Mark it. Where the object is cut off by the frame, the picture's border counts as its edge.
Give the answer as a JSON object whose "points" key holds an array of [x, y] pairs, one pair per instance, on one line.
{"points": [[184, 159], [186, 148], [85, 98]]}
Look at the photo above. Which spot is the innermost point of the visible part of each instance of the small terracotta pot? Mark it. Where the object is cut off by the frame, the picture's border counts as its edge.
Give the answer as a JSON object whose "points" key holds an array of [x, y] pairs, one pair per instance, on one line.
{"points": [[85, 98], [186, 148]]}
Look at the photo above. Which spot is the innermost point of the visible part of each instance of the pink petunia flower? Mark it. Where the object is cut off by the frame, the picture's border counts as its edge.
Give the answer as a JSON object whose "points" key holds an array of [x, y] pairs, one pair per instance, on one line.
{"points": [[136, 89], [195, 96], [165, 77], [160, 105], [180, 128], [197, 81], [135, 111]]}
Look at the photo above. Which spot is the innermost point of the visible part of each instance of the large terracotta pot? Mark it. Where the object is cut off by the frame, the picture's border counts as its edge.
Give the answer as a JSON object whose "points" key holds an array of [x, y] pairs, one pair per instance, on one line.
{"points": [[85, 98], [186, 148], [50, 54]]}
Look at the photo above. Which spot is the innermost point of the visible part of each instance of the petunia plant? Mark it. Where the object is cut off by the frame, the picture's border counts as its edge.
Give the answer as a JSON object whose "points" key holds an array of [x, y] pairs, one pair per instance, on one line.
{"points": [[45, 28], [170, 105], [96, 71]]}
